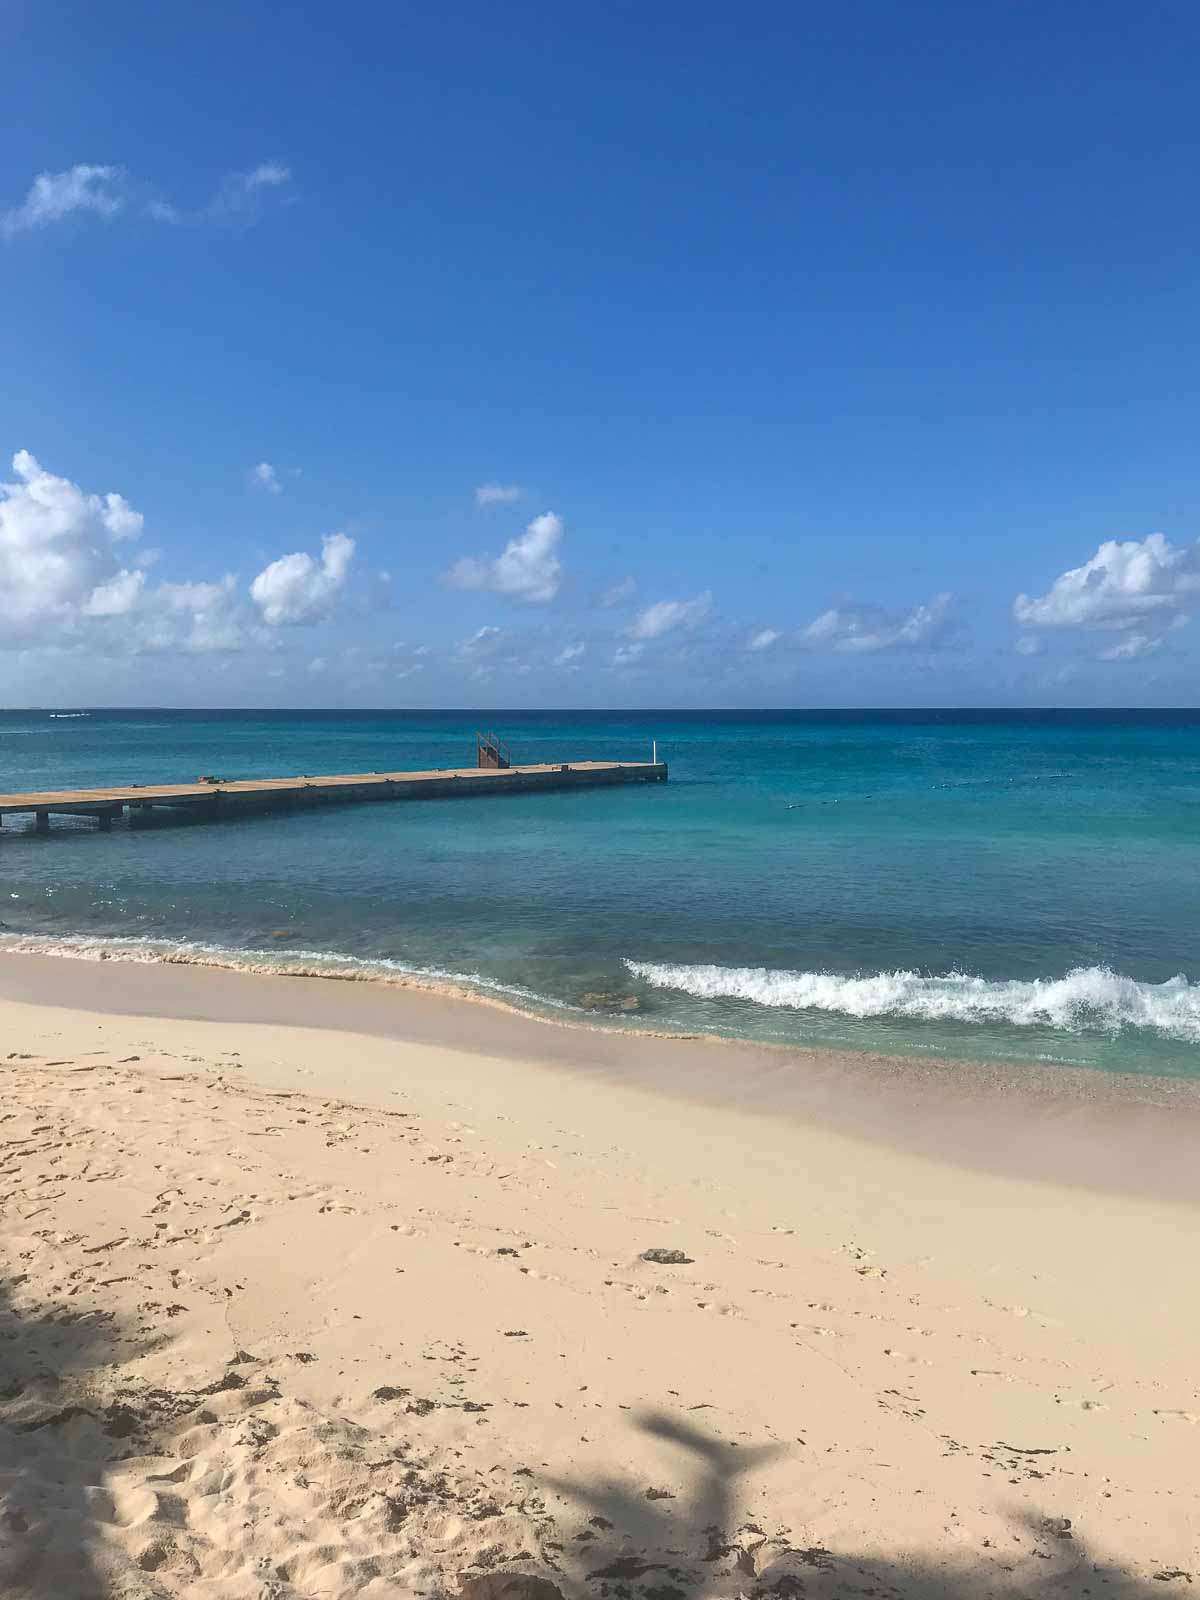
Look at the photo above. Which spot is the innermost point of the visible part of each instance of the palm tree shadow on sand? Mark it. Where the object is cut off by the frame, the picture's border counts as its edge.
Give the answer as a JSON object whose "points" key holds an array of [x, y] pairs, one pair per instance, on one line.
{"points": [[56, 1438], [59, 1432], [647, 1545]]}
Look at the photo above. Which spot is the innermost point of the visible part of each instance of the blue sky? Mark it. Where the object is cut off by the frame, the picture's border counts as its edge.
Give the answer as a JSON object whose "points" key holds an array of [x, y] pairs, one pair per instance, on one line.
{"points": [[543, 355]]}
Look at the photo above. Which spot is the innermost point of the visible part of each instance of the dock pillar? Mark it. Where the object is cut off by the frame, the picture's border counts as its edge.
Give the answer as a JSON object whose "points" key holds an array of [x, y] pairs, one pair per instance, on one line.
{"points": [[104, 818], [41, 822]]}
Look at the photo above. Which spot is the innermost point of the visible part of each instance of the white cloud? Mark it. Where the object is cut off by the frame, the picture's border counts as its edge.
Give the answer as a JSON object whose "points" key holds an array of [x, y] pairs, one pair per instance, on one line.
{"points": [[240, 194], [1126, 583], [264, 476], [528, 568], [1027, 645], [55, 195], [106, 190], [619, 593], [58, 554], [68, 577], [861, 629], [498, 494], [571, 653], [625, 655], [763, 639], [239, 197], [267, 175], [482, 642], [117, 597], [299, 589], [381, 592], [665, 615], [481, 650], [199, 618], [317, 666], [1129, 647]]}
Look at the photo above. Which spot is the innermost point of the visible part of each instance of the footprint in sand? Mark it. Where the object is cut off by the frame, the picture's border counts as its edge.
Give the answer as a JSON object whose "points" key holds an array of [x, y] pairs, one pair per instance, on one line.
{"points": [[1025, 1312], [904, 1356]]}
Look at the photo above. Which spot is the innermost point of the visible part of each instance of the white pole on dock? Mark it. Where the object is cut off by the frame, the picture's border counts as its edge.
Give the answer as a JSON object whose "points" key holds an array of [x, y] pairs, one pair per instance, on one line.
{"points": [[654, 752]]}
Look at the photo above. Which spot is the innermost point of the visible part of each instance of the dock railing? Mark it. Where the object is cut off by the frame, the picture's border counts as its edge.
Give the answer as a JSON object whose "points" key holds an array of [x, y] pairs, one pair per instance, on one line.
{"points": [[491, 751]]}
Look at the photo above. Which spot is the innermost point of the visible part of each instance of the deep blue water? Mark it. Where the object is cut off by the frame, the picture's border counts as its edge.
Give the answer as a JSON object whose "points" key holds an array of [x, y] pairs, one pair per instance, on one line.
{"points": [[976, 884]]}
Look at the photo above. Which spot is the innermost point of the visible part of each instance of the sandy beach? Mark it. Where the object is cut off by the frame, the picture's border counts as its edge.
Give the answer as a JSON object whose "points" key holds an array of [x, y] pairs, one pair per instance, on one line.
{"points": [[318, 1289]]}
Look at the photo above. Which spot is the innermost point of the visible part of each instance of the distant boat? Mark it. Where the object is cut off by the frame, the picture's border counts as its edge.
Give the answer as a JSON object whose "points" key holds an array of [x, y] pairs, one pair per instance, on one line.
{"points": [[70, 713]]}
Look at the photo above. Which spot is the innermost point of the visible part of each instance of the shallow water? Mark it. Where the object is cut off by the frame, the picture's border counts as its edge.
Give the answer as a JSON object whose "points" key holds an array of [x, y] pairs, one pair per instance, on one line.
{"points": [[978, 885]]}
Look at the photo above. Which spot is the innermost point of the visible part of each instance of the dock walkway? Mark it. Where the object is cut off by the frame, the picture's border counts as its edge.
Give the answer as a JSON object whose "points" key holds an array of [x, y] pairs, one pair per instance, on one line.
{"points": [[219, 799]]}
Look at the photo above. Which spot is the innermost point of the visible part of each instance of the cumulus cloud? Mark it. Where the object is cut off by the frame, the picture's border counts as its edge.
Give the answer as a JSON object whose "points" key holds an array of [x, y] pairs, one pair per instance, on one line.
{"points": [[666, 615], [763, 639], [861, 629], [55, 195], [59, 550], [298, 589], [198, 617], [618, 594], [498, 494], [528, 568], [264, 476], [1028, 645], [1130, 647], [117, 597], [69, 577], [1127, 583], [569, 654], [192, 618]]}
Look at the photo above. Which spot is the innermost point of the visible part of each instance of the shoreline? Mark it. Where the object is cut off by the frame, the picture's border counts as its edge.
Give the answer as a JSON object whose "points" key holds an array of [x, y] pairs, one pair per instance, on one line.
{"points": [[287, 961], [1109, 1132]]}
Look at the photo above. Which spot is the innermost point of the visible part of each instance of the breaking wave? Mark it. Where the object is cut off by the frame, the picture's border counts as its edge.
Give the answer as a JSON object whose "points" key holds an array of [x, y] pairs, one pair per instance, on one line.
{"points": [[1087, 998]]}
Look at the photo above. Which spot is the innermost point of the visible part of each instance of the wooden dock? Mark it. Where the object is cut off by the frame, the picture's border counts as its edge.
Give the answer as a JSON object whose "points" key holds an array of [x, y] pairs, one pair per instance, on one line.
{"points": [[218, 799]]}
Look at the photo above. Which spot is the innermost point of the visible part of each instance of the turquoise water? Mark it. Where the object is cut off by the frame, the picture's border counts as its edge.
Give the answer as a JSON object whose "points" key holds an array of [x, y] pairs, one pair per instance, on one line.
{"points": [[979, 885]]}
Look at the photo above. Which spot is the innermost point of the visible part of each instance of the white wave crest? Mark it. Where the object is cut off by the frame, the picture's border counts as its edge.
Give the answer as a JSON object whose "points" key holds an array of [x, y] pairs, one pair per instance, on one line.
{"points": [[1093, 998]]}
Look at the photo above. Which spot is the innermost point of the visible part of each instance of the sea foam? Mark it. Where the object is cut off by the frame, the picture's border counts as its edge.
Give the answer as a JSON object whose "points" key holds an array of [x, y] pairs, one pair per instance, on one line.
{"points": [[284, 962], [1086, 998]]}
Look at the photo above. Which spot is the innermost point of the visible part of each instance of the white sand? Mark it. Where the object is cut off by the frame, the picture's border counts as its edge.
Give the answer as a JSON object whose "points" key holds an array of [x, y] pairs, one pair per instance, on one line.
{"points": [[298, 1312]]}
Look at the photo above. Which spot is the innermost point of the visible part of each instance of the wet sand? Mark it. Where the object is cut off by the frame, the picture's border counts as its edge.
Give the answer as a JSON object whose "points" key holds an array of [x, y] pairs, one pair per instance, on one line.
{"points": [[1120, 1133]]}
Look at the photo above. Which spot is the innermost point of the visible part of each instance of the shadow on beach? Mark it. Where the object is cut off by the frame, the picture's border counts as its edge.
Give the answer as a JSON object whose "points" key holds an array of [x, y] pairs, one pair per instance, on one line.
{"points": [[56, 1441], [649, 1545], [66, 1423]]}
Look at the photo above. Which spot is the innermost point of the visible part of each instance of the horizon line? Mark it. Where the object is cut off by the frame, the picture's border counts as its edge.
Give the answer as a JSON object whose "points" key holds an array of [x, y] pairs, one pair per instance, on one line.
{"points": [[627, 711]]}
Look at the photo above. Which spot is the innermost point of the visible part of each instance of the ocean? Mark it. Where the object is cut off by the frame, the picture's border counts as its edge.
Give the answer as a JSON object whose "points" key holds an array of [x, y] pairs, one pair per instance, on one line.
{"points": [[982, 885]]}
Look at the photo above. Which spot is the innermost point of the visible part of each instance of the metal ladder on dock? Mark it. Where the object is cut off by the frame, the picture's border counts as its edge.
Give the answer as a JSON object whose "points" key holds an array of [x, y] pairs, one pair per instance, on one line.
{"points": [[491, 751]]}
